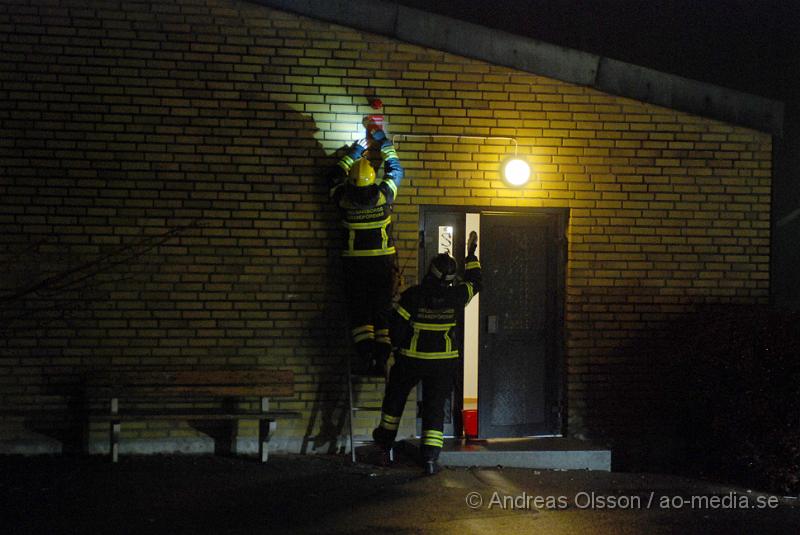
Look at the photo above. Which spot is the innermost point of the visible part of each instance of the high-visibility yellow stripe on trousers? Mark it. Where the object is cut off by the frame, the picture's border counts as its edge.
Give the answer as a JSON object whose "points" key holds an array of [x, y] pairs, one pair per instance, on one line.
{"points": [[389, 422], [382, 336], [363, 332], [432, 437]]}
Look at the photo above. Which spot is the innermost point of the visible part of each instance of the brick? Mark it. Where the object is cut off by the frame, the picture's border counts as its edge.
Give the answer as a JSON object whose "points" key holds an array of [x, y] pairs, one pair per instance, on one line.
{"points": [[231, 130]]}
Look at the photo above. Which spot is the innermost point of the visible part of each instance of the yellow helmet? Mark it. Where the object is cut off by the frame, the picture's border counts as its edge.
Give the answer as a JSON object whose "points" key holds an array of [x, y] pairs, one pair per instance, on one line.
{"points": [[362, 174]]}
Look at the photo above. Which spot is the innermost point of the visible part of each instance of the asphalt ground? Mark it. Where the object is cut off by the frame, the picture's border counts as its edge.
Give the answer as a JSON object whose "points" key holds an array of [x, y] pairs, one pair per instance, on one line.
{"points": [[326, 494]]}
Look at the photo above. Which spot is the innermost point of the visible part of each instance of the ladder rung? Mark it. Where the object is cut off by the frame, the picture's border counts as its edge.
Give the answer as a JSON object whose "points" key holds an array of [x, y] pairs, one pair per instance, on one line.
{"points": [[365, 409], [353, 380], [368, 378]]}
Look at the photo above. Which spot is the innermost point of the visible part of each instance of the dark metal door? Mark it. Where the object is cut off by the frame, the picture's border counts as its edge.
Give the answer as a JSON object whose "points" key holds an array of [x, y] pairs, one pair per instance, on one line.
{"points": [[518, 383]]}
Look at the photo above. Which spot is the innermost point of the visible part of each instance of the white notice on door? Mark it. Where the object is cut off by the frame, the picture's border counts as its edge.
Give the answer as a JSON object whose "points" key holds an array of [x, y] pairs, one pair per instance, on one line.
{"points": [[446, 240]]}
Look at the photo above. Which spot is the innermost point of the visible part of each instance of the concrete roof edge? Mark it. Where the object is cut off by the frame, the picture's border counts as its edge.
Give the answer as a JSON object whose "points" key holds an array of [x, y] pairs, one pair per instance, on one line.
{"points": [[526, 54]]}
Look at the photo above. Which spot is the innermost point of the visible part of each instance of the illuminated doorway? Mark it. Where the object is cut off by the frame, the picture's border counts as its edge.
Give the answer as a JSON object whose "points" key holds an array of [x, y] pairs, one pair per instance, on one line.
{"points": [[512, 332]]}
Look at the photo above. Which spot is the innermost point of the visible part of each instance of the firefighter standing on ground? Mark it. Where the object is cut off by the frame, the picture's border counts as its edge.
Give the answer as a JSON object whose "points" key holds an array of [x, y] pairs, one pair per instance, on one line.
{"points": [[422, 327], [369, 257]]}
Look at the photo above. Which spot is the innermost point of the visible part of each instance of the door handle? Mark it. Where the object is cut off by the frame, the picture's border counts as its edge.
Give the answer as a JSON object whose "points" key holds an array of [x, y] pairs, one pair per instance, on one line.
{"points": [[491, 324]]}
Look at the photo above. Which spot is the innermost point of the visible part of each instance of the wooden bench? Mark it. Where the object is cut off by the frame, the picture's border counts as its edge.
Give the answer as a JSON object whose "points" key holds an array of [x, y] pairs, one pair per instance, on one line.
{"points": [[139, 395]]}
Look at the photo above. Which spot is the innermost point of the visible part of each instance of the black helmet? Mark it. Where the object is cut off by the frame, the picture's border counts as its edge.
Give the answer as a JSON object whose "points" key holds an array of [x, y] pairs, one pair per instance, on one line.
{"points": [[443, 269]]}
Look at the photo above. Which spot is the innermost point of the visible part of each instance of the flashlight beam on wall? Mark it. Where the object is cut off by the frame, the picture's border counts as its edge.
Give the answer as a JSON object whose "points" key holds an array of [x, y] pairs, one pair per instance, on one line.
{"points": [[515, 170]]}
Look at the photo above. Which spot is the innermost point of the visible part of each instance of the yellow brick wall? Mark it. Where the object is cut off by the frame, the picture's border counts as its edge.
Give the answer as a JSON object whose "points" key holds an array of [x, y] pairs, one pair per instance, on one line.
{"points": [[179, 147]]}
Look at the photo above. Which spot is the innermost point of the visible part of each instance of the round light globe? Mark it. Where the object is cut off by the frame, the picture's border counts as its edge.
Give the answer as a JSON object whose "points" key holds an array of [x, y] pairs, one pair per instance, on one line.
{"points": [[516, 172]]}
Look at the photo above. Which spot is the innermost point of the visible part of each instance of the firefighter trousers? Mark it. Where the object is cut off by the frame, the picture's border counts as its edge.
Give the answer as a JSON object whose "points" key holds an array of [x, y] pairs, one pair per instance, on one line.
{"points": [[370, 283], [437, 377]]}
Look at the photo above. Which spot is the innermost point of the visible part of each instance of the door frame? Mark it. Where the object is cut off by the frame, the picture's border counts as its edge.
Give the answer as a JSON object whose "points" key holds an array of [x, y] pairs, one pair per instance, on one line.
{"points": [[454, 426], [560, 218]]}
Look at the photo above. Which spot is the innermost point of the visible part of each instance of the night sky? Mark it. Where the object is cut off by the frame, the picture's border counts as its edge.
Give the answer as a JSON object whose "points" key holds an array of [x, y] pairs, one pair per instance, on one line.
{"points": [[749, 45]]}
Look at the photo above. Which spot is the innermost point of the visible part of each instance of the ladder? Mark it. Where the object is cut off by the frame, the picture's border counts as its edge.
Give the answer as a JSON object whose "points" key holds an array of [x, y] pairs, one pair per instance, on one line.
{"points": [[355, 409]]}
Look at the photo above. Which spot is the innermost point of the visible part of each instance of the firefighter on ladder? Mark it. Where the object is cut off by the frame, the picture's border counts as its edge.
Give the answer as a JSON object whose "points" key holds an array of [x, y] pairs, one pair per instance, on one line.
{"points": [[422, 327], [369, 257]]}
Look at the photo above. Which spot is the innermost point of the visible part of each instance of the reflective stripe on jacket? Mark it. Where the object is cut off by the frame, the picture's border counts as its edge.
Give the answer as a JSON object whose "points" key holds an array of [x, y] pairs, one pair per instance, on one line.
{"points": [[425, 317], [366, 211]]}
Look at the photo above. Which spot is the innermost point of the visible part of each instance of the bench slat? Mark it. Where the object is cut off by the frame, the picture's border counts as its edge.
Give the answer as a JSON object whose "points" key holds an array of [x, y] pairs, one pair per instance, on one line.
{"points": [[192, 377], [179, 387], [190, 415], [266, 390]]}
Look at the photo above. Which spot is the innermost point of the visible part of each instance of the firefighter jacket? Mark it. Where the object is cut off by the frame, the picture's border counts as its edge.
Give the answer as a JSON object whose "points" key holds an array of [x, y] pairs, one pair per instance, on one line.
{"points": [[366, 211], [424, 319]]}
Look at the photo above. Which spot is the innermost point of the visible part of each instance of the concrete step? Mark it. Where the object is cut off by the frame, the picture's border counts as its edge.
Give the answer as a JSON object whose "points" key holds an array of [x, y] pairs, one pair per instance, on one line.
{"points": [[547, 453]]}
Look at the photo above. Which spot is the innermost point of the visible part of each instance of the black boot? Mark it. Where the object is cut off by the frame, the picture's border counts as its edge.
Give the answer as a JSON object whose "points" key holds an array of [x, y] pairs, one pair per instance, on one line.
{"points": [[432, 467], [430, 460], [384, 439], [387, 455]]}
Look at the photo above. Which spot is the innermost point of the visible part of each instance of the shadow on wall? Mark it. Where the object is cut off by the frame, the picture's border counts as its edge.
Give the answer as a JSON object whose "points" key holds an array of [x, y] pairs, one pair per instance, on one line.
{"points": [[630, 401], [47, 300], [64, 295], [328, 333], [717, 392], [323, 339], [637, 403]]}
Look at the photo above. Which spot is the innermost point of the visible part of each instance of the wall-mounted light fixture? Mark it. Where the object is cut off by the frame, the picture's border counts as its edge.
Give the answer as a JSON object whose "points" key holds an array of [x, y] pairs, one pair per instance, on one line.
{"points": [[514, 170]]}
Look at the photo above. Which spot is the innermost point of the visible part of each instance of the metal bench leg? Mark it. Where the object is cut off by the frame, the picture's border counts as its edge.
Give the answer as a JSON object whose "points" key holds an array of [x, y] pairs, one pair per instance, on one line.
{"points": [[115, 430], [265, 430]]}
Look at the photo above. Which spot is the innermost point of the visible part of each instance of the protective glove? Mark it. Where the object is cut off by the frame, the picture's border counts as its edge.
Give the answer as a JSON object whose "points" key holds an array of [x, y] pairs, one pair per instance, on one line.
{"points": [[378, 136], [358, 148], [472, 243]]}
